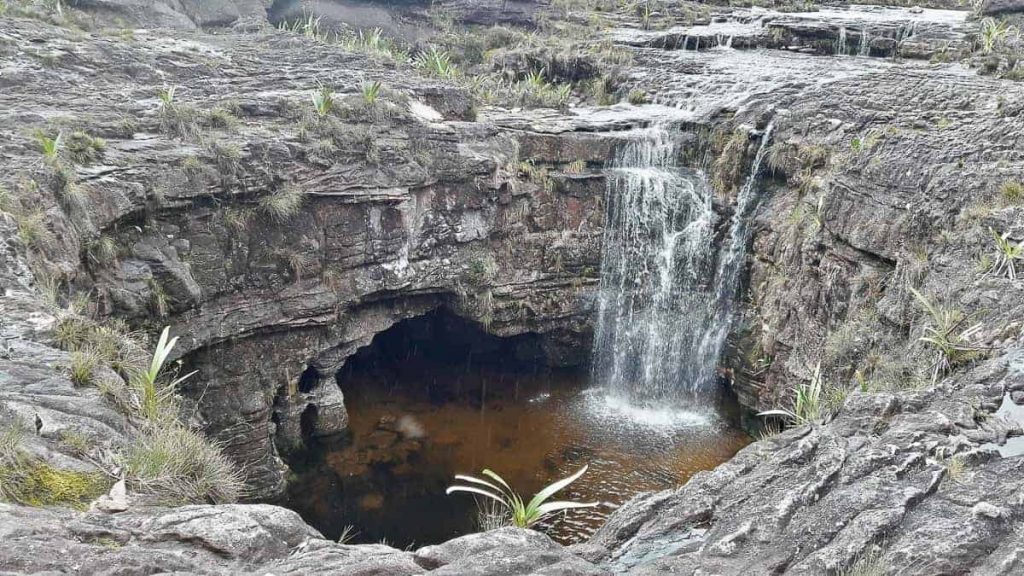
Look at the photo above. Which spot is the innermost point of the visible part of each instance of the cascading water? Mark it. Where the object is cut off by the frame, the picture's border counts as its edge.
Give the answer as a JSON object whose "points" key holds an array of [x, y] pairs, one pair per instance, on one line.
{"points": [[665, 298]]}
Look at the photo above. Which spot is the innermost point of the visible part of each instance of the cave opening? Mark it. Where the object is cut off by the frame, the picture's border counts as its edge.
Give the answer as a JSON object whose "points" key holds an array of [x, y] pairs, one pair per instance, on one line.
{"points": [[437, 395], [308, 380], [440, 357]]}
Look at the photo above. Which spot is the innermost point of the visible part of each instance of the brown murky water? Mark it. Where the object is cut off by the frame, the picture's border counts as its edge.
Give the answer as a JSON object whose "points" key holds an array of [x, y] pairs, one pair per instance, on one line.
{"points": [[415, 425]]}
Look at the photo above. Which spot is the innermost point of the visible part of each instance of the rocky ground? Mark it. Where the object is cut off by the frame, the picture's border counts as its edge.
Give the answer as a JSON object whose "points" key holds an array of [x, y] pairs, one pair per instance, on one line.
{"points": [[277, 242]]}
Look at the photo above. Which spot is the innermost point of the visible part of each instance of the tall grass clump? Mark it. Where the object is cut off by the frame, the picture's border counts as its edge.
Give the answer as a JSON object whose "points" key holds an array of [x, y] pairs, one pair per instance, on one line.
{"points": [[175, 118], [282, 204], [83, 367], [521, 513], [179, 465], [167, 459]]}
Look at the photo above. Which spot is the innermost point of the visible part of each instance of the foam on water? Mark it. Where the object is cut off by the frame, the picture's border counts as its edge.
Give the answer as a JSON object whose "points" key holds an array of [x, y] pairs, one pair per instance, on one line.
{"points": [[618, 413]]}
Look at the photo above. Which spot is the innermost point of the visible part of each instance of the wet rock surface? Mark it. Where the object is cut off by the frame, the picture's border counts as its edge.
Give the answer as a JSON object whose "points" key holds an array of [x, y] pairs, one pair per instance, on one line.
{"points": [[896, 479]]}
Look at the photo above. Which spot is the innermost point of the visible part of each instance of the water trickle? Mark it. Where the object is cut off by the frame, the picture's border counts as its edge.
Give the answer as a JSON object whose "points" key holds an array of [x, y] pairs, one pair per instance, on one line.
{"points": [[841, 42], [664, 304], [865, 42]]}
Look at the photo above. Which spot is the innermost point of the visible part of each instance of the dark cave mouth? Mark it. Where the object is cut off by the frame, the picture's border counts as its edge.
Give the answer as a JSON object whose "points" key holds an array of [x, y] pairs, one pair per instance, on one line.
{"points": [[436, 396]]}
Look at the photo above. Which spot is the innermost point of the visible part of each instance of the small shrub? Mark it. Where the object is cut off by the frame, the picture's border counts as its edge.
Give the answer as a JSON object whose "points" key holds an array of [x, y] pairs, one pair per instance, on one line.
{"points": [[375, 43], [991, 34], [32, 229], [576, 167], [152, 398], [955, 467], [102, 250], [523, 514], [166, 96], [222, 118], [283, 204], [114, 344], [177, 119], [237, 220]]}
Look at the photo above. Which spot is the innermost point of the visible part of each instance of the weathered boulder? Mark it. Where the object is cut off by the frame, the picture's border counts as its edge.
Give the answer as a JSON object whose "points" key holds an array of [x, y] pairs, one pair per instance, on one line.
{"points": [[261, 539]]}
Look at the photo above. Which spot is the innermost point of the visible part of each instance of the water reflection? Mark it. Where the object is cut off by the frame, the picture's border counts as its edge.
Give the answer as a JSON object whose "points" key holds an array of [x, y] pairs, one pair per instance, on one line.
{"points": [[416, 423]]}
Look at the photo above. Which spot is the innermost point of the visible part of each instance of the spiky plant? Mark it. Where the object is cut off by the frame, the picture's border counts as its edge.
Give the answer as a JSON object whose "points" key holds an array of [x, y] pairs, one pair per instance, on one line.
{"points": [[166, 96], [947, 335], [991, 33], [523, 514], [808, 402], [536, 79], [150, 396], [371, 91], [323, 100], [1007, 254], [49, 147], [435, 61]]}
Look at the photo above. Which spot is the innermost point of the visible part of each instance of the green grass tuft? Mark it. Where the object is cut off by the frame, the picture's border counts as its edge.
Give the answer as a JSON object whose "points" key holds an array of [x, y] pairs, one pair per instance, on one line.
{"points": [[283, 204]]}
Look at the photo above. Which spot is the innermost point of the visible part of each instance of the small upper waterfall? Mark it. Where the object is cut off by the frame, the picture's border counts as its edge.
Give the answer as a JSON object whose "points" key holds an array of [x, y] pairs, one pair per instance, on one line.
{"points": [[666, 291]]}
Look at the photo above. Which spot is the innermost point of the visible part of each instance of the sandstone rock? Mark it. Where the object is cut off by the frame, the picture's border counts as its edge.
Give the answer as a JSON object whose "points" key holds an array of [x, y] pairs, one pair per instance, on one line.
{"points": [[1001, 7]]}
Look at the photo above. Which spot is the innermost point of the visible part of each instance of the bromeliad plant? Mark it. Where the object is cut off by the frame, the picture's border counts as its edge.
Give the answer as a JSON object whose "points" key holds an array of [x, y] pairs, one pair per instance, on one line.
{"points": [[150, 396], [523, 514], [948, 334], [1007, 255], [808, 405], [323, 100]]}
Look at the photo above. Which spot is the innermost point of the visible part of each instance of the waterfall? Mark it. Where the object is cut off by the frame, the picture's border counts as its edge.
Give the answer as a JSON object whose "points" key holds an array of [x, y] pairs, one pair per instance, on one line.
{"points": [[865, 41], [665, 299], [841, 43]]}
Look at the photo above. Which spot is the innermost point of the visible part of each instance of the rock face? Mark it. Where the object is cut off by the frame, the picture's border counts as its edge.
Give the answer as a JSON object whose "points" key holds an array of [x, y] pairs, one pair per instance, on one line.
{"points": [[183, 14], [233, 539], [400, 215]]}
